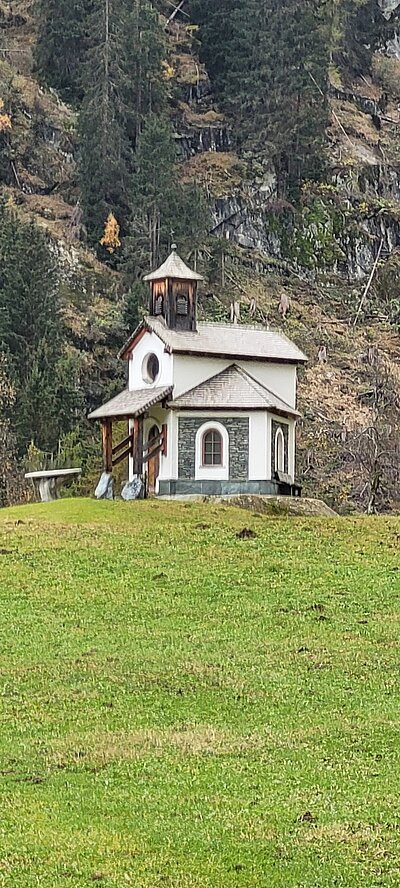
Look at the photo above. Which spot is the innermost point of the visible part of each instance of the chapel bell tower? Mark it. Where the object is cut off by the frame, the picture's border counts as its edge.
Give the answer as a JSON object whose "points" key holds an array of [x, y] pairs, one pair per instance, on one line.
{"points": [[173, 293]]}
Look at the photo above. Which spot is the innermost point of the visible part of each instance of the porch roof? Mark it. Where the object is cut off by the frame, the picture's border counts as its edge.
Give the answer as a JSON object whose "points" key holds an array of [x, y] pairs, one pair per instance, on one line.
{"points": [[232, 389], [131, 404]]}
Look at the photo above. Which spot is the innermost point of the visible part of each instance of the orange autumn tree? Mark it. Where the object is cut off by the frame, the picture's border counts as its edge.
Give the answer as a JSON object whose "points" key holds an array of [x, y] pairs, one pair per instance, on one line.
{"points": [[5, 119], [110, 239]]}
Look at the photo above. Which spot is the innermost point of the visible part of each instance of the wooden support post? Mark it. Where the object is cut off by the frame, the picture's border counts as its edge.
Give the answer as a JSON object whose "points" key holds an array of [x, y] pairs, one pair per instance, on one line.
{"points": [[164, 433], [107, 445], [138, 446]]}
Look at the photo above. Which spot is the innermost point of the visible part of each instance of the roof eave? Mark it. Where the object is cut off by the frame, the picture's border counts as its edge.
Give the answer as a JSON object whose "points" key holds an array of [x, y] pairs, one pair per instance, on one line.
{"points": [[236, 357], [172, 405], [142, 328], [130, 414]]}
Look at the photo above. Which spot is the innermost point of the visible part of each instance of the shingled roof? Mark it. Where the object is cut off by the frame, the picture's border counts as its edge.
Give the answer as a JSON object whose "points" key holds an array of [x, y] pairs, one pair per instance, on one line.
{"points": [[223, 340], [173, 267], [131, 404], [232, 389]]}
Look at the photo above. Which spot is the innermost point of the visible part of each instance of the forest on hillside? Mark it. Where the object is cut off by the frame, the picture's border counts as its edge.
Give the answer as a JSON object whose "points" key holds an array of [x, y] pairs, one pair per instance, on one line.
{"points": [[151, 105]]}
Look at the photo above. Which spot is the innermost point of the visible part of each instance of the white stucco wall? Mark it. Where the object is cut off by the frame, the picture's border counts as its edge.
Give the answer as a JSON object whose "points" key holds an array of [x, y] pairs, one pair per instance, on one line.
{"points": [[187, 371], [150, 344], [259, 466], [169, 463], [191, 370]]}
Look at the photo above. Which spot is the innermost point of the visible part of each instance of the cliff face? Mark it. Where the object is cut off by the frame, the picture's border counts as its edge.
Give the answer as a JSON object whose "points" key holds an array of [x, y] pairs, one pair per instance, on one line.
{"points": [[303, 267]]}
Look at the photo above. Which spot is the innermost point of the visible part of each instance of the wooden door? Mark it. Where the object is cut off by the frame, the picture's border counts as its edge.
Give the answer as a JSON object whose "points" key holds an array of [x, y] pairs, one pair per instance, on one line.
{"points": [[153, 465]]}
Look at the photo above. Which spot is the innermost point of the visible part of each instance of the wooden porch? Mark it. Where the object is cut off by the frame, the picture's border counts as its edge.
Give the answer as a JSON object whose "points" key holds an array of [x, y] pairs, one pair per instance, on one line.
{"points": [[133, 446]]}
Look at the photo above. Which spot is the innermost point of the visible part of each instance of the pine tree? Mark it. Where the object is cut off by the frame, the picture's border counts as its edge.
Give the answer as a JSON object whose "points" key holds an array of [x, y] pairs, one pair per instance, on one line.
{"points": [[365, 29], [31, 334], [291, 106], [156, 193], [269, 65], [61, 44], [145, 52], [106, 153], [124, 83], [8, 470], [218, 44]]}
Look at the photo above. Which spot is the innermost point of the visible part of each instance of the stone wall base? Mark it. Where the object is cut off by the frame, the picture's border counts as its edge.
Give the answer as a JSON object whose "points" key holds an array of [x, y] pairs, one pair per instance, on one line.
{"points": [[226, 488]]}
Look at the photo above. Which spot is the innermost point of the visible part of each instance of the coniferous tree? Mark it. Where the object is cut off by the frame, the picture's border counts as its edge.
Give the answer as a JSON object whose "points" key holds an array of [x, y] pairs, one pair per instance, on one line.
{"points": [[270, 65], [106, 153], [145, 52], [155, 186], [7, 456], [31, 334], [365, 29], [61, 44], [124, 83], [291, 105]]}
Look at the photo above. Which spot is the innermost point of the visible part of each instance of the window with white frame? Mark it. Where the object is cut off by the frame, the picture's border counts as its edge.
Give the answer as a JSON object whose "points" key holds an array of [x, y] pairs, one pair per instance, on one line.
{"points": [[212, 452]]}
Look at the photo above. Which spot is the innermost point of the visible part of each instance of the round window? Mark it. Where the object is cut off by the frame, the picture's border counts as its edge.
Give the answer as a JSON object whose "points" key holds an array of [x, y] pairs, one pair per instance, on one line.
{"points": [[150, 368]]}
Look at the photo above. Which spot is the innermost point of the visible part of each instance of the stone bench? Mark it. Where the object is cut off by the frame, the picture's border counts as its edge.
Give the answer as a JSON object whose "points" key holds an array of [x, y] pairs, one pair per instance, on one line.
{"points": [[47, 484]]}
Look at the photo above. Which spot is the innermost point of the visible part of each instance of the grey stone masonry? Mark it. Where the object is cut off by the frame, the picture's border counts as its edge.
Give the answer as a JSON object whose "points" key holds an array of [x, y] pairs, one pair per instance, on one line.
{"points": [[285, 429], [238, 431], [187, 447]]}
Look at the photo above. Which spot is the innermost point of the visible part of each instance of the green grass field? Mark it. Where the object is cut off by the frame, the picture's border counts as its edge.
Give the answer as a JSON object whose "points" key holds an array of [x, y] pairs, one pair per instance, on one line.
{"points": [[180, 707]]}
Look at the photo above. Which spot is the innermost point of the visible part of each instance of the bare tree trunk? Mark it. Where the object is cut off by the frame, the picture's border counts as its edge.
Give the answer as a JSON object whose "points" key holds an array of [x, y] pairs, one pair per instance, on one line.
{"points": [[375, 487]]}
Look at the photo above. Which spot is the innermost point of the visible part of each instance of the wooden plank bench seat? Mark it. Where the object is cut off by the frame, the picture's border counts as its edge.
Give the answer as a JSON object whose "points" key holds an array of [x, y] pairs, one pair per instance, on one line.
{"points": [[47, 483]]}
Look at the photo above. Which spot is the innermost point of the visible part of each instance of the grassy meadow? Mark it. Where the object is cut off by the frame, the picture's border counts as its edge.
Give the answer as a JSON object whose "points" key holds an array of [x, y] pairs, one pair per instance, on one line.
{"points": [[185, 708]]}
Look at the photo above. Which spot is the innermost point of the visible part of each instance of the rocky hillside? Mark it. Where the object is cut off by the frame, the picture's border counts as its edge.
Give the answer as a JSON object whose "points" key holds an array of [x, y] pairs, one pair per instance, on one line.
{"points": [[304, 267]]}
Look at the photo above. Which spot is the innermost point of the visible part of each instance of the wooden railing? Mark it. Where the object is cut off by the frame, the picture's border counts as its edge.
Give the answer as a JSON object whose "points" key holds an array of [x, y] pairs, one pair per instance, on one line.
{"points": [[122, 450]]}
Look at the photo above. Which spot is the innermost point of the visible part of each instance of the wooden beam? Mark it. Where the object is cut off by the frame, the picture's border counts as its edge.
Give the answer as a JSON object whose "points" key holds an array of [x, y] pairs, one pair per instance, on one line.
{"points": [[124, 455], [164, 432], [107, 445], [138, 446], [155, 442], [152, 453], [122, 444]]}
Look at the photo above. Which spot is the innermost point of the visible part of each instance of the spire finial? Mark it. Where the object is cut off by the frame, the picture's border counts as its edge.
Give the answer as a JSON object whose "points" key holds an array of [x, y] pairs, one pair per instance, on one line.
{"points": [[174, 248]]}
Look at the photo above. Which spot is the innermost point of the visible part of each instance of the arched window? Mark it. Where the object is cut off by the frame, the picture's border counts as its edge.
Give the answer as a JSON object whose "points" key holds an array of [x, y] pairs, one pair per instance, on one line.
{"points": [[212, 452], [212, 448], [279, 452]]}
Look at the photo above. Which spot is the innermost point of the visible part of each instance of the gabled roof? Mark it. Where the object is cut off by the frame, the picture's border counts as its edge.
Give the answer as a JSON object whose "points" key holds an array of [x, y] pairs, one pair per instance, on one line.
{"points": [[232, 389], [223, 340], [173, 267], [131, 404]]}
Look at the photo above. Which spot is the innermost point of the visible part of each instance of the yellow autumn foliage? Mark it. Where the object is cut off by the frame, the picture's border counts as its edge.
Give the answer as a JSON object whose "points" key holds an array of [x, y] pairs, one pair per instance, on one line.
{"points": [[110, 239], [5, 119], [169, 71]]}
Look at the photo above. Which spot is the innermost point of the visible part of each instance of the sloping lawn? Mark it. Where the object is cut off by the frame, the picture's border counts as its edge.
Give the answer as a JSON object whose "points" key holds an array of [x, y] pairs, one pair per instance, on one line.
{"points": [[181, 707]]}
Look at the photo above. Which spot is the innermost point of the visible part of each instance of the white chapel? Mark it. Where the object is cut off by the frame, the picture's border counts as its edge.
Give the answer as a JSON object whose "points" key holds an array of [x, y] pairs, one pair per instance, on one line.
{"points": [[210, 407]]}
